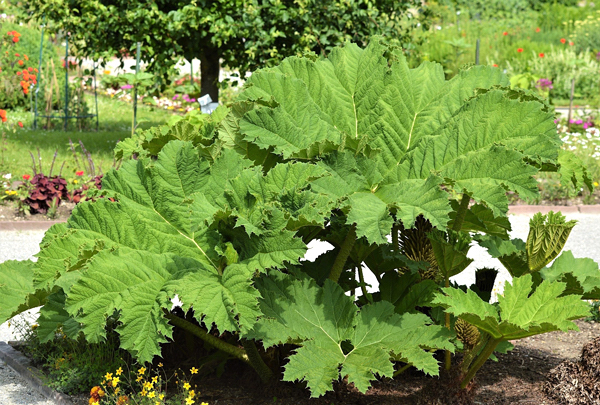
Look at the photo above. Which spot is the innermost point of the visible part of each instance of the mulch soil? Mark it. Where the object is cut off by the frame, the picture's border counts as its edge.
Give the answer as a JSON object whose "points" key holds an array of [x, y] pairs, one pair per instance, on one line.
{"points": [[545, 369]]}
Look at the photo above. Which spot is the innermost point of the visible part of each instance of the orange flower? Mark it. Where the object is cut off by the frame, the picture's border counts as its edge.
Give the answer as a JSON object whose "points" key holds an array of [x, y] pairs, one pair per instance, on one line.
{"points": [[19, 73], [20, 62], [30, 69], [27, 177], [571, 43], [20, 124], [17, 55], [15, 39], [537, 29], [541, 55], [519, 50], [562, 40], [2, 113], [26, 57], [495, 65], [505, 33]]}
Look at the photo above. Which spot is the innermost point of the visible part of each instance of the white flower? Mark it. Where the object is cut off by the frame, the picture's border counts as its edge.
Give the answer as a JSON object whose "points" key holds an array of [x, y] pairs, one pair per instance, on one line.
{"points": [[7, 176]]}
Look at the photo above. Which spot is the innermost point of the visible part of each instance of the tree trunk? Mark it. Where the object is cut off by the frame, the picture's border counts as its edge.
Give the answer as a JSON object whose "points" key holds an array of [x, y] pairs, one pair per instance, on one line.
{"points": [[209, 73]]}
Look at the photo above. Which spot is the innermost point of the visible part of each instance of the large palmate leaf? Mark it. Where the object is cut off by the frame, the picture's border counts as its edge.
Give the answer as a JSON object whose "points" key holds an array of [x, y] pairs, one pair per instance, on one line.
{"points": [[581, 275], [408, 130], [520, 312], [336, 338], [16, 285]]}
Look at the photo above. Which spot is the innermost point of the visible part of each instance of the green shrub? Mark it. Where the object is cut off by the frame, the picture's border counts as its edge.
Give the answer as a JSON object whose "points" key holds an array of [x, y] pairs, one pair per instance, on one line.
{"points": [[560, 65], [587, 33]]}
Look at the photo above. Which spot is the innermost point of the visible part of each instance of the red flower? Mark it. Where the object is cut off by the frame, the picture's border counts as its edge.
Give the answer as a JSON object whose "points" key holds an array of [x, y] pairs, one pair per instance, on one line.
{"points": [[2, 113], [30, 69], [541, 55], [79, 173], [17, 55], [4, 119], [15, 39], [537, 29], [519, 50], [571, 43], [20, 124], [19, 73], [26, 177], [495, 65], [505, 33], [562, 40]]}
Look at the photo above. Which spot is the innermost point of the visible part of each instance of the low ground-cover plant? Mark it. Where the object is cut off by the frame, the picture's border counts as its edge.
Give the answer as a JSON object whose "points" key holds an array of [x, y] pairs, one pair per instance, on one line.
{"points": [[397, 168]]}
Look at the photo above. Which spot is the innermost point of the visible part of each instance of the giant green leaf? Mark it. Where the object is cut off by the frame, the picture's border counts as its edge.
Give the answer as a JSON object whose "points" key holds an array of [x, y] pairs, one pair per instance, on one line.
{"points": [[324, 321], [16, 284], [520, 312], [581, 275]]}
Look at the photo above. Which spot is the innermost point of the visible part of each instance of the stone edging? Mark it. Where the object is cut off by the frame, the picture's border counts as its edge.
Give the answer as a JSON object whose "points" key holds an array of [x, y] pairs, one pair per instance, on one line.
{"points": [[27, 225], [544, 209], [34, 377]]}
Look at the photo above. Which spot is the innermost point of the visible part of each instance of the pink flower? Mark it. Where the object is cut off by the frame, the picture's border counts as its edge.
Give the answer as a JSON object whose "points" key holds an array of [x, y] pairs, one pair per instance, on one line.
{"points": [[126, 87]]}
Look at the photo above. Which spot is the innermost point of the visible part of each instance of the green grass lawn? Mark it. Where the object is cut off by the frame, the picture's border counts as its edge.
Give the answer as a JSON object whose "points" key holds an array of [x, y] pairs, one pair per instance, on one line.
{"points": [[115, 125]]}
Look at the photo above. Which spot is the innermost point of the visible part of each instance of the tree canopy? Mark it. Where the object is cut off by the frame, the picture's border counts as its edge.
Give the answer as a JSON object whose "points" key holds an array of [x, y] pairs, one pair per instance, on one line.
{"points": [[240, 35]]}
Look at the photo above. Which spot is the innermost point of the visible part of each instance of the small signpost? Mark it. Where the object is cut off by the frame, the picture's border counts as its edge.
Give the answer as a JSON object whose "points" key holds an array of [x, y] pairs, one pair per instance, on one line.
{"points": [[206, 104]]}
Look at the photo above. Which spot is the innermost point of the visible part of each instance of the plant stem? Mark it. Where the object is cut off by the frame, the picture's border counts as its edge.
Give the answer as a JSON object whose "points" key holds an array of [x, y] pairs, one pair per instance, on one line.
{"points": [[487, 351], [462, 211], [204, 335], [256, 360], [470, 356], [340, 260], [363, 287], [402, 369], [395, 238]]}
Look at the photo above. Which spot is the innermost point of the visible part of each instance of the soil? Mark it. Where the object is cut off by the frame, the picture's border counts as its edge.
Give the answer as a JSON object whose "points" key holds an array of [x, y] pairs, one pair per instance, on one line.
{"points": [[10, 212], [518, 377]]}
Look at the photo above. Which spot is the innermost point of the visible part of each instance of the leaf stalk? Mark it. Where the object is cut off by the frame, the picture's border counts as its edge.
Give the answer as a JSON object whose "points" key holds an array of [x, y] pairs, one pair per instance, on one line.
{"points": [[487, 351], [344, 253]]}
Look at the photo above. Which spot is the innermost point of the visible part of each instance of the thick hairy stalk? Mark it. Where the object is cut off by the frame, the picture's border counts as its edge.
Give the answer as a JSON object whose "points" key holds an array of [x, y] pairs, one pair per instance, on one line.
{"points": [[363, 288], [204, 335], [256, 360], [472, 354], [487, 351], [340, 260], [250, 355]]}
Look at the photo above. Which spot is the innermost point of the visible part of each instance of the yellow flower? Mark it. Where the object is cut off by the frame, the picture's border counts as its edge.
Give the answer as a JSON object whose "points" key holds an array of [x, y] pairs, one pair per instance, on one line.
{"points": [[189, 401], [595, 184], [192, 393], [161, 396], [144, 392], [115, 381], [119, 371], [108, 376], [204, 403], [139, 379], [107, 72], [160, 364], [186, 386], [152, 394], [194, 370], [147, 385], [75, 181], [142, 370], [117, 390]]}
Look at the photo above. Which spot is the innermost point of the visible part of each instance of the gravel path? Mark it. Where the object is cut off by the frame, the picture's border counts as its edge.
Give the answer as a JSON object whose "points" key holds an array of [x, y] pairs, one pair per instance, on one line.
{"points": [[13, 389], [583, 242]]}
